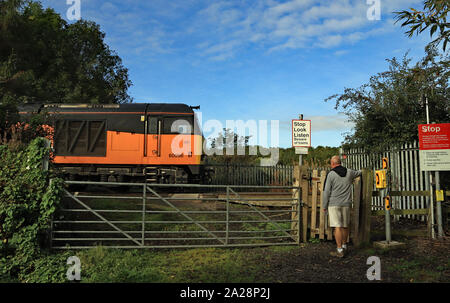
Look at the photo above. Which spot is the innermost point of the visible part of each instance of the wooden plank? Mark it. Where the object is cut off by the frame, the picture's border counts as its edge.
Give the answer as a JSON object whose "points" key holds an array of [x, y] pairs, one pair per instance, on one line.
{"points": [[405, 193], [365, 207], [314, 205], [323, 175], [402, 212], [304, 185], [356, 210], [295, 208]]}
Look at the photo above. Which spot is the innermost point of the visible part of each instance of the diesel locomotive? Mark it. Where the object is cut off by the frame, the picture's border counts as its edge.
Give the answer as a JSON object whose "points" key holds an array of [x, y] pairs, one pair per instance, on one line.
{"points": [[150, 142]]}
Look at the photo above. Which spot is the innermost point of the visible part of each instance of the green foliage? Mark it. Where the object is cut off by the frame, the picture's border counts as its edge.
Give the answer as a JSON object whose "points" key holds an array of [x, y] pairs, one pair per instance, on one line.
{"points": [[203, 265], [387, 110], [421, 269], [229, 140], [51, 268], [318, 156], [45, 59], [433, 16], [314, 241], [27, 203]]}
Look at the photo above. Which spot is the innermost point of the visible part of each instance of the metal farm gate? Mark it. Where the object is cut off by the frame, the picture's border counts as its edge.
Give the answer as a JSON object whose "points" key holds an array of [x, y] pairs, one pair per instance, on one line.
{"points": [[139, 215]]}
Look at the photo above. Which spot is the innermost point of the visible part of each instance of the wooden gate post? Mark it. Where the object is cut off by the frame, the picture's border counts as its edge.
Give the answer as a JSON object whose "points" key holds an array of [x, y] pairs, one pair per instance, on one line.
{"points": [[365, 210], [355, 219], [304, 184], [296, 212]]}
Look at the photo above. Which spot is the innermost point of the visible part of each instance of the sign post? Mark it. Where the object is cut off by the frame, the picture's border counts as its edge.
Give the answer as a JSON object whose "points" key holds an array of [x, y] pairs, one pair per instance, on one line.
{"points": [[301, 136], [434, 147], [434, 155]]}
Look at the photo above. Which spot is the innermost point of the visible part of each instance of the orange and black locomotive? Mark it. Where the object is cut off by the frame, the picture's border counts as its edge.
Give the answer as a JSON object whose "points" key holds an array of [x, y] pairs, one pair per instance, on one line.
{"points": [[157, 143]]}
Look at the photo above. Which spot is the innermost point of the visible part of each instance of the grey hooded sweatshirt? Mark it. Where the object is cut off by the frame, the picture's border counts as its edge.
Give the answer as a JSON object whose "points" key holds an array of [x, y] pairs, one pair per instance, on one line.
{"points": [[337, 190]]}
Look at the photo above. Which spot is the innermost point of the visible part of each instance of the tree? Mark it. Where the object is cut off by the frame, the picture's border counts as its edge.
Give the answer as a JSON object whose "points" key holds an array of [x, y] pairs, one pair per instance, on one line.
{"points": [[433, 16], [387, 110], [318, 156], [45, 59], [229, 140]]}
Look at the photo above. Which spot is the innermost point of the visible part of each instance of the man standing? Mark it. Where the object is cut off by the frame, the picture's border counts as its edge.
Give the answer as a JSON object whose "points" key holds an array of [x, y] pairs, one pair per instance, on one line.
{"points": [[337, 199]]}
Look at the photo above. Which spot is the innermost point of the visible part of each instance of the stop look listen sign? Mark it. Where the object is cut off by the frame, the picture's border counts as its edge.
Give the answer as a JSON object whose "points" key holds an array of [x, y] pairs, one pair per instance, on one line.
{"points": [[301, 133], [434, 147]]}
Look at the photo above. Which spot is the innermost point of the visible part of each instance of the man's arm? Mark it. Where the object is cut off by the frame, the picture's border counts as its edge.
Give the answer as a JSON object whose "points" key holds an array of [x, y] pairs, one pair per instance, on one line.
{"points": [[356, 173], [326, 192]]}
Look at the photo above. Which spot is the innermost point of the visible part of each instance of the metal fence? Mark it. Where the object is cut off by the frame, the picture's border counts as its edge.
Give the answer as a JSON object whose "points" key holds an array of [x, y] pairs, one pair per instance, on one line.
{"points": [[244, 174], [152, 216], [405, 174]]}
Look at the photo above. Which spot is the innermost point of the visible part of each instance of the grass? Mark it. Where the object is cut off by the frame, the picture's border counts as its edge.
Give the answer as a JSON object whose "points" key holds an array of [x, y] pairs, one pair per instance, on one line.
{"points": [[191, 265], [421, 269]]}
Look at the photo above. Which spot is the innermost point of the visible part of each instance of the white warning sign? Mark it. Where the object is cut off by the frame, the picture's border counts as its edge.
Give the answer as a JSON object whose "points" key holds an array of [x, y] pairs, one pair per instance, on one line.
{"points": [[301, 133]]}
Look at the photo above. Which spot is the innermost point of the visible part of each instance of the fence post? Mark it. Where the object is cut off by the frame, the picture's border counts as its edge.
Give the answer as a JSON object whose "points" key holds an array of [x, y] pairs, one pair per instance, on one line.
{"points": [[299, 213], [366, 203], [356, 210], [227, 216], [144, 199], [51, 220], [305, 192], [313, 229], [296, 215]]}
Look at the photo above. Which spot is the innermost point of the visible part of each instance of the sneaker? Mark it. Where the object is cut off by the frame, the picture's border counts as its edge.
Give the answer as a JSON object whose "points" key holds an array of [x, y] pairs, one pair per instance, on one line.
{"points": [[337, 254]]}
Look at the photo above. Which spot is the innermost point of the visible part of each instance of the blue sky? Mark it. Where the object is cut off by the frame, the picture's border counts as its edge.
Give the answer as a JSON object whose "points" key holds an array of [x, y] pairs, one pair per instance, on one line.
{"points": [[261, 60]]}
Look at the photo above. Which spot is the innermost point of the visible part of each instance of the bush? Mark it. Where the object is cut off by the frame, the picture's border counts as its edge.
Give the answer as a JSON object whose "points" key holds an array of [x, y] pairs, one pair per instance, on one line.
{"points": [[27, 203]]}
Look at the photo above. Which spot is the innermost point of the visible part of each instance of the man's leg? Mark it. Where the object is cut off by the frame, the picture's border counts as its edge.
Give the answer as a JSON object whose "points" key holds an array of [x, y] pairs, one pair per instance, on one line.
{"points": [[338, 236], [345, 234], [346, 224]]}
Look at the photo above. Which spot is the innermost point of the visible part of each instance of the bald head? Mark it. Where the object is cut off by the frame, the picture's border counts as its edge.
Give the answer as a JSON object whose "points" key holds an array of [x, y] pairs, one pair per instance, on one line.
{"points": [[335, 161]]}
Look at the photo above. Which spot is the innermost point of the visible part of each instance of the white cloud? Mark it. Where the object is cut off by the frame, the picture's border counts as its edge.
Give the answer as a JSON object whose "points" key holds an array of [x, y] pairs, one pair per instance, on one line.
{"points": [[219, 30], [324, 123], [293, 24]]}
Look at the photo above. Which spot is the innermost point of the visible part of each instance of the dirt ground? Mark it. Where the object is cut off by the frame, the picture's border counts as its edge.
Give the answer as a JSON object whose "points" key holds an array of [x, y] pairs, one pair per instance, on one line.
{"points": [[421, 260]]}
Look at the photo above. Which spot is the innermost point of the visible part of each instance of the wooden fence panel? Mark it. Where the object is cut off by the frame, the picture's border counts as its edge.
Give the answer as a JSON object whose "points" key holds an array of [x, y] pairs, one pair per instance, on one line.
{"points": [[322, 218], [317, 221], [314, 203]]}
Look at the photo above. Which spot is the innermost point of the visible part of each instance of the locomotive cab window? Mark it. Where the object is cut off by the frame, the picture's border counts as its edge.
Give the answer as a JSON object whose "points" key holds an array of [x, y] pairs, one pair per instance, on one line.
{"points": [[152, 125], [177, 125]]}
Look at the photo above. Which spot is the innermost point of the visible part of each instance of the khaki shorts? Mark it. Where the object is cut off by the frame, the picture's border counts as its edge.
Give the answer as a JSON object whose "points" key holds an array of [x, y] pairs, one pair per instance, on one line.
{"points": [[339, 216]]}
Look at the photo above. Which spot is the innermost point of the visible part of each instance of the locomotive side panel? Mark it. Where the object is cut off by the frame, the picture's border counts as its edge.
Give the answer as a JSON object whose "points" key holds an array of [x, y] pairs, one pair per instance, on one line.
{"points": [[128, 143]]}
